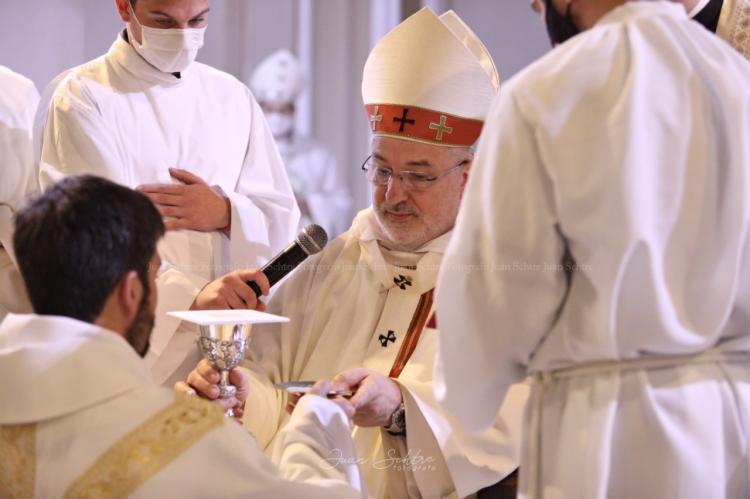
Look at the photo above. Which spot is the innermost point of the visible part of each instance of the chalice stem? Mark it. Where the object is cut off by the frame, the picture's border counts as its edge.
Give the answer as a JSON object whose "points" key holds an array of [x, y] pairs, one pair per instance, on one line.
{"points": [[226, 390]]}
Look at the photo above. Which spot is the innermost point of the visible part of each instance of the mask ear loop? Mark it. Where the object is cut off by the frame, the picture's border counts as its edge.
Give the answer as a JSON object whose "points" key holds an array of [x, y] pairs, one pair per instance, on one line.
{"points": [[132, 13], [140, 26]]}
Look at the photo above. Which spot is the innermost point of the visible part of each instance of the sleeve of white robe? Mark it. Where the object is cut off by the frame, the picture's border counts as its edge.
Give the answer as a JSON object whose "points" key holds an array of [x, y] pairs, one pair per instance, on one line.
{"points": [[495, 298], [317, 444], [76, 139], [16, 119], [264, 211], [18, 172]]}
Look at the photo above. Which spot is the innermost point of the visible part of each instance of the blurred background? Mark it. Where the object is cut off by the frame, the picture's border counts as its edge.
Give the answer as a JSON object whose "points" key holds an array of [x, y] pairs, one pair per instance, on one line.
{"points": [[332, 38]]}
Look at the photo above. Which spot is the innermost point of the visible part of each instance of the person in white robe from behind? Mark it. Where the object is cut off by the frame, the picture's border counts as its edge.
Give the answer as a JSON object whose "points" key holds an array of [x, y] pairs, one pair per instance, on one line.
{"points": [[317, 180], [192, 138], [18, 103], [604, 247], [730, 19], [362, 310], [81, 416]]}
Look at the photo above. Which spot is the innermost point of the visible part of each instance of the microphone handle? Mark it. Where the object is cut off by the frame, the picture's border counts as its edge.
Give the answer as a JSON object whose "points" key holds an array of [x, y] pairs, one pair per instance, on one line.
{"points": [[280, 265]]}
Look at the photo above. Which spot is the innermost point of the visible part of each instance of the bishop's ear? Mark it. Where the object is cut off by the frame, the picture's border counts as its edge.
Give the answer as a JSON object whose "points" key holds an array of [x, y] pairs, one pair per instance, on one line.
{"points": [[466, 170]]}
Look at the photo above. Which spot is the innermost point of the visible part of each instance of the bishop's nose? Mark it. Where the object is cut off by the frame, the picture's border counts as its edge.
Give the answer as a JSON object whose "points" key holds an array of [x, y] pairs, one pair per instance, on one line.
{"points": [[395, 192]]}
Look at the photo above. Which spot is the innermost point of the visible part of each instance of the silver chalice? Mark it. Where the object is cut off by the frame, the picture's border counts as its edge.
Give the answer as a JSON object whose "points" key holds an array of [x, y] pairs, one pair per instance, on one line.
{"points": [[223, 339]]}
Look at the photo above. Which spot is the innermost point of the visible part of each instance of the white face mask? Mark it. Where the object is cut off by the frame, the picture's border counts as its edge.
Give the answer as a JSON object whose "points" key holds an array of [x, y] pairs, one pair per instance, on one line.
{"points": [[281, 125], [170, 50]]}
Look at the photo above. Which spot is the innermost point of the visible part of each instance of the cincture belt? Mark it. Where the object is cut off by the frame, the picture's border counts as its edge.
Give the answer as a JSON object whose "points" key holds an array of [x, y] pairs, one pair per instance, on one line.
{"points": [[542, 379]]}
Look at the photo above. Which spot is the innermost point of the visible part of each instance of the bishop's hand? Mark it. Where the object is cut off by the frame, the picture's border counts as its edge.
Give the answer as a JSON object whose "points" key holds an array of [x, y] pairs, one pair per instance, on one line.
{"points": [[204, 381], [195, 205], [324, 389], [376, 396]]}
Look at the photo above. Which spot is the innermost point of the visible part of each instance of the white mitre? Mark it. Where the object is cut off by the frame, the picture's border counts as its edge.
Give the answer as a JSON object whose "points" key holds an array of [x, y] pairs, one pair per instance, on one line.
{"points": [[278, 78], [430, 79]]}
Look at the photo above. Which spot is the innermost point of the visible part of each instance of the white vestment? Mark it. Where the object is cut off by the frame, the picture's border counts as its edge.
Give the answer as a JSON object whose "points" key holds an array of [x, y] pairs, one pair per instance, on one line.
{"points": [[626, 148], [80, 412], [318, 184], [18, 102], [120, 118], [351, 306]]}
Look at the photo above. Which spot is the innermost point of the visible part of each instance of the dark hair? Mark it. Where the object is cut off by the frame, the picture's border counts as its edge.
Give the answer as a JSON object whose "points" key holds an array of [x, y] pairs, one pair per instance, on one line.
{"points": [[77, 240]]}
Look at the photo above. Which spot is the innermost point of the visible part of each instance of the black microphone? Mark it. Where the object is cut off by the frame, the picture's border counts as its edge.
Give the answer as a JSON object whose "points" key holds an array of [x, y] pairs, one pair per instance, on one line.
{"points": [[311, 240]]}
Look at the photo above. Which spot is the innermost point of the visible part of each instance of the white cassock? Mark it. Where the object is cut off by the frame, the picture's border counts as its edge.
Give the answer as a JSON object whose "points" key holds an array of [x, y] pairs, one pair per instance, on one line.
{"points": [[18, 103], [318, 184], [627, 147], [82, 418], [352, 306], [120, 118]]}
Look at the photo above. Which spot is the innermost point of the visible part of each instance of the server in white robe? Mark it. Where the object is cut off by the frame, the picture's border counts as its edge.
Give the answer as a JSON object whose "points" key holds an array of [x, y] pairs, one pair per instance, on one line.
{"points": [[18, 102], [316, 177], [730, 19], [362, 310], [194, 139], [603, 247], [81, 416]]}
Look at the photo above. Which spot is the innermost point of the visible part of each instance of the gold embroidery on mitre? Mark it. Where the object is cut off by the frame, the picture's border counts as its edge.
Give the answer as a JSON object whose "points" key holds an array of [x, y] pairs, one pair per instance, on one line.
{"points": [[375, 118], [143, 452], [17, 461], [441, 128]]}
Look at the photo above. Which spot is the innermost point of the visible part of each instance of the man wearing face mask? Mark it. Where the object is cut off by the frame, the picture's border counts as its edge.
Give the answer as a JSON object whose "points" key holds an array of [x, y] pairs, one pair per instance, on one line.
{"points": [[602, 247], [315, 176], [191, 138]]}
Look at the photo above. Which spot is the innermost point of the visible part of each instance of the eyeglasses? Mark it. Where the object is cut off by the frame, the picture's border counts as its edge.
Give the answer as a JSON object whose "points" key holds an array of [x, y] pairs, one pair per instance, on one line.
{"points": [[414, 181]]}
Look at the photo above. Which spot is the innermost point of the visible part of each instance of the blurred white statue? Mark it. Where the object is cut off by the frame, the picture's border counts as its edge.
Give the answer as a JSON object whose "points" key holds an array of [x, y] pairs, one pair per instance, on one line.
{"points": [[318, 184]]}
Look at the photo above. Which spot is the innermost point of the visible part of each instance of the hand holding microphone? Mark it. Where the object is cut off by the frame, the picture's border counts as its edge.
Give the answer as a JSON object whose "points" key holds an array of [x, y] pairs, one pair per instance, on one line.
{"points": [[311, 240], [242, 288]]}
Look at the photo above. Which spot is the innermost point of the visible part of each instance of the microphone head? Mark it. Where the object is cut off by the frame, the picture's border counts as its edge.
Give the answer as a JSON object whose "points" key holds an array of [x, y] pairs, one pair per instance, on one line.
{"points": [[312, 239]]}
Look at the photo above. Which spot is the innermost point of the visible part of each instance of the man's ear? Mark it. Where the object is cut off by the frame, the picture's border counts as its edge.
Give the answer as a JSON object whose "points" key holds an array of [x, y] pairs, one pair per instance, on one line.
{"points": [[466, 171], [122, 9], [129, 293]]}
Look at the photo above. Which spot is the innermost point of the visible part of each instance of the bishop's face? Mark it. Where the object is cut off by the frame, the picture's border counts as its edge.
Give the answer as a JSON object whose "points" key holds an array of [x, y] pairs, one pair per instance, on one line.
{"points": [[408, 218]]}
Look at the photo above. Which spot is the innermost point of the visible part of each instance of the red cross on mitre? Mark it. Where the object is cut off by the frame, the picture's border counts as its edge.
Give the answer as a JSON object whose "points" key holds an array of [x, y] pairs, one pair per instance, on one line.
{"points": [[424, 125]]}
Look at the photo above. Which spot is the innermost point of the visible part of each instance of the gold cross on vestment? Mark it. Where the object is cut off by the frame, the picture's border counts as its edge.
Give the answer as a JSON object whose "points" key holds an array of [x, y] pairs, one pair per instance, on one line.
{"points": [[441, 127], [375, 118]]}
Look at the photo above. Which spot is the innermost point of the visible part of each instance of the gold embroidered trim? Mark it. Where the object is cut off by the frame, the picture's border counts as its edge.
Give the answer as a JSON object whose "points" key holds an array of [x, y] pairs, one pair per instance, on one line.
{"points": [[739, 29], [17, 461], [143, 452]]}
